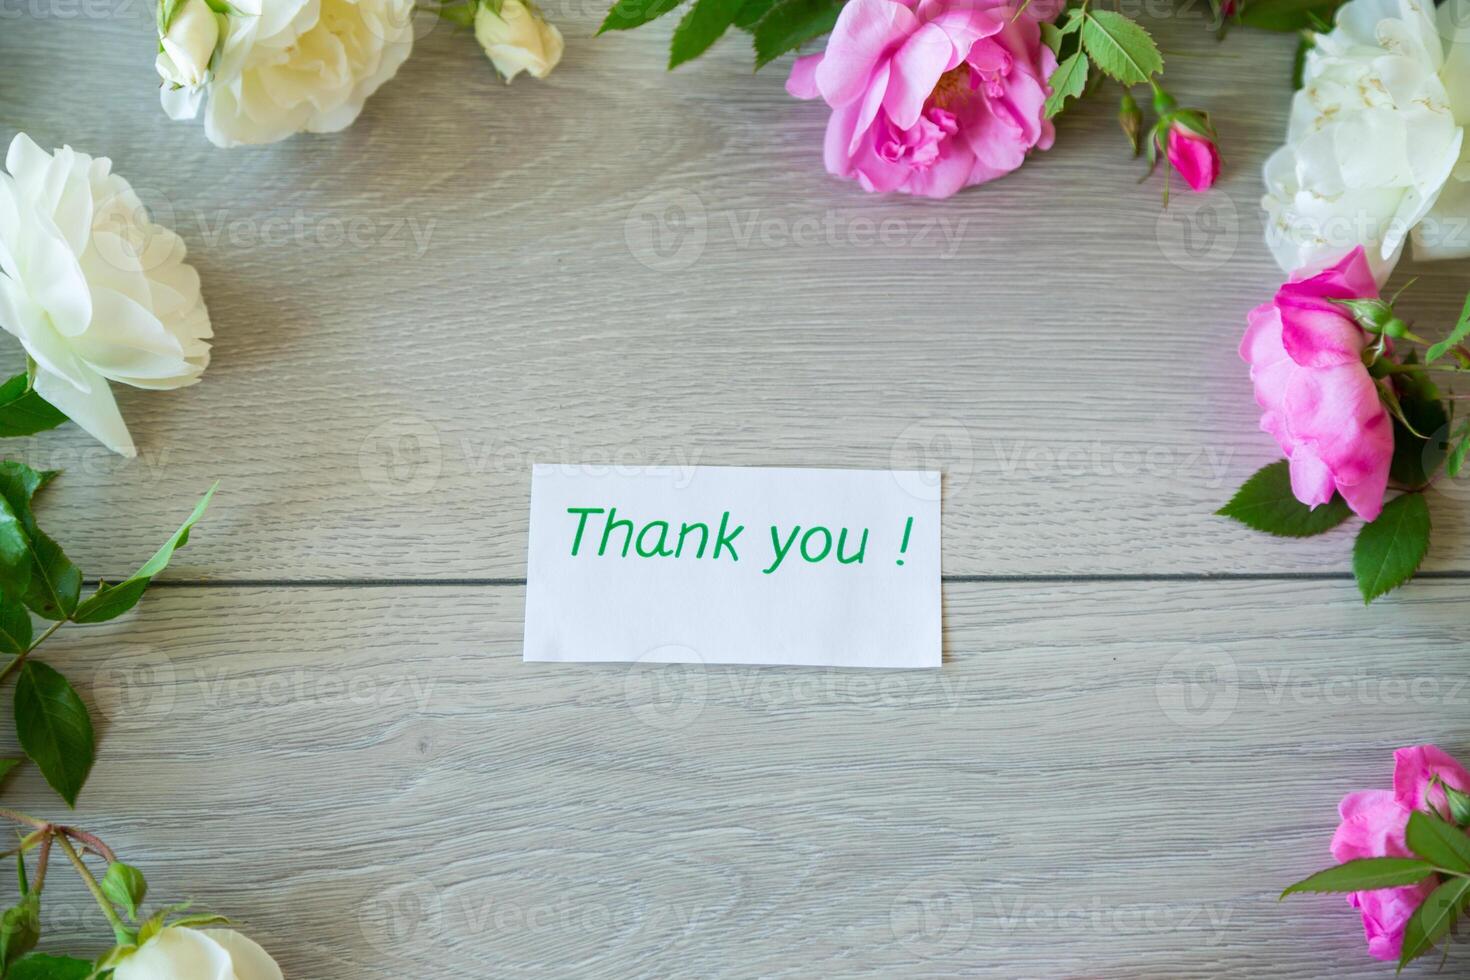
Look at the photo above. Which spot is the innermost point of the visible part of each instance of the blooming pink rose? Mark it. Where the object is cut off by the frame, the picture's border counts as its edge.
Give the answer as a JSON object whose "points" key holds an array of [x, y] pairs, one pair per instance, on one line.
{"points": [[1195, 157], [929, 96], [1373, 824], [1319, 402]]}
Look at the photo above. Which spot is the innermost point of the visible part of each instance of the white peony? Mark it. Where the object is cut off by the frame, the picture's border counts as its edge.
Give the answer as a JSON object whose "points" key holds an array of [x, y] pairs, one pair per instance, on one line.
{"points": [[198, 954], [188, 45], [92, 288], [291, 66], [517, 39], [1373, 136]]}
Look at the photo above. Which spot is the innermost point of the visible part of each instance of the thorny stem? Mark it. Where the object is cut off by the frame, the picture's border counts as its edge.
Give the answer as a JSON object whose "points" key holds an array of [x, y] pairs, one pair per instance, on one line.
{"points": [[119, 929]]}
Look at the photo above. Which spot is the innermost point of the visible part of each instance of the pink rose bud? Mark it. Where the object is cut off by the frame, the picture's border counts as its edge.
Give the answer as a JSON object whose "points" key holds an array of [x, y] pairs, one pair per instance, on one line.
{"points": [[1194, 156]]}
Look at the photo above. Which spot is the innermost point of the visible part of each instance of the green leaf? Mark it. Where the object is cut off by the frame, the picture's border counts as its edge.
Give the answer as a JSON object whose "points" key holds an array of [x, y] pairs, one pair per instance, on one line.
{"points": [[20, 929], [1457, 336], [628, 14], [704, 24], [55, 583], [751, 12], [1265, 502], [125, 886], [111, 601], [1389, 551], [6, 765], [15, 627], [22, 411], [1067, 82], [1441, 843], [1433, 919], [1287, 15], [790, 24], [1120, 47], [1304, 45], [38, 966], [1416, 458], [15, 555], [1455, 461], [54, 728], [1365, 874]]}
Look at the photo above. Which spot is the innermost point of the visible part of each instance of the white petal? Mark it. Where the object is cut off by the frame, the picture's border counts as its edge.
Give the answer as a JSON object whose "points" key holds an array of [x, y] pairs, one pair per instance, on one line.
{"points": [[251, 962], [97, 413]]}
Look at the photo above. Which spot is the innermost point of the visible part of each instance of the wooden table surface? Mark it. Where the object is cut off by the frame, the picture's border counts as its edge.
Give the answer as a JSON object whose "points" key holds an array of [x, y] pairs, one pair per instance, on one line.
{"points": [[322, 725]]}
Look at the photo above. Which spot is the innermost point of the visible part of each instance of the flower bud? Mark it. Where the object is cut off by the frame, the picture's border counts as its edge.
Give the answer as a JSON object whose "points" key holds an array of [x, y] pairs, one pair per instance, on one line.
{"points": [[1194, 155], [188, 45], [516, 39], [1130, 118], [1373, 315]]}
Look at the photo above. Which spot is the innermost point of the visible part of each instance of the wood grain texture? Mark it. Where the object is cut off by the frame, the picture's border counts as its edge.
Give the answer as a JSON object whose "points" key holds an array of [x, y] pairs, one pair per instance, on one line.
{"points": [[1103, 781], [622, 266]]}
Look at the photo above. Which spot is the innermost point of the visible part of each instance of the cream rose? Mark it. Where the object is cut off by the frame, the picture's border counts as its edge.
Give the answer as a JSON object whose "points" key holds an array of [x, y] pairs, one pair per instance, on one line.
{"points": [[291, 66], [1372, 141], [516, 39], [188, 44], [198, 954], [92, 288]]}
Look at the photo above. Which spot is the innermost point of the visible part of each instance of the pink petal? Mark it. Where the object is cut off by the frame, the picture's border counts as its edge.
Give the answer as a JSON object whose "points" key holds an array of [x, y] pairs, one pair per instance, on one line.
{"points": [[802, 83], [1413, 769], [916, 69], [1317, 334], [865, 34], [1311, 480]]}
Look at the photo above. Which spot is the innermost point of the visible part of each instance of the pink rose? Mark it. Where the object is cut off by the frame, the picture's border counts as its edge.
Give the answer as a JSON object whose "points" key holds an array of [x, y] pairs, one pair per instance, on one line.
{"points": [[1194, 156], [1373, 823], [1319, 402], [929, 96]]}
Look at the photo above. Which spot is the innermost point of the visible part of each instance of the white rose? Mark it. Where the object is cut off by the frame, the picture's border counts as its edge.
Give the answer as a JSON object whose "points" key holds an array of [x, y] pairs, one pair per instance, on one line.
{"points": [[291, 66], [518, 40], [1372, 138], [198, 954], [188, 45], [92, 288]]}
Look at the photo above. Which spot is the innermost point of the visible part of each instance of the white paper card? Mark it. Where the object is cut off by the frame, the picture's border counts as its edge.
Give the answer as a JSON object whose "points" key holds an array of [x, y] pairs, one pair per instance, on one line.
{"points": [[734, 565]]}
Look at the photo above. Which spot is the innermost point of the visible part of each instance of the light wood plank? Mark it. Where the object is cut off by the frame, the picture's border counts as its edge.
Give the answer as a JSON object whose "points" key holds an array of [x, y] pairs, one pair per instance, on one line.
{"points": [[1074, 794], [374, 407]]}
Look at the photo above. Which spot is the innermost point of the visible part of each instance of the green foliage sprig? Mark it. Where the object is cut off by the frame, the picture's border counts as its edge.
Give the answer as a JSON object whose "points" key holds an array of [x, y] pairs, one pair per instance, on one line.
{"points": [[119, 894], [1442, 856]]}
